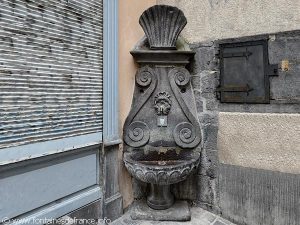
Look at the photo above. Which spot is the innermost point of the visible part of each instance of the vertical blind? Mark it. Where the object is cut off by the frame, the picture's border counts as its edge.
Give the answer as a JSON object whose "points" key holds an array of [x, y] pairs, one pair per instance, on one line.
{"points": [[50, 69]]}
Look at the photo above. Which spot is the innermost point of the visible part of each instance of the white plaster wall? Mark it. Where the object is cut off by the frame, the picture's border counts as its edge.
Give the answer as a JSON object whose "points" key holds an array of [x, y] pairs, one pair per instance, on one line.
{"points": [[260, 140], [218, 19]]}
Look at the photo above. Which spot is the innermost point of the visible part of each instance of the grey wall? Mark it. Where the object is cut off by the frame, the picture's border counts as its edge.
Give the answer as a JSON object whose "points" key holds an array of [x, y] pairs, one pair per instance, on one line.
{"points": [[251, 196], [209, 20], [269, 141], [233, 188]]}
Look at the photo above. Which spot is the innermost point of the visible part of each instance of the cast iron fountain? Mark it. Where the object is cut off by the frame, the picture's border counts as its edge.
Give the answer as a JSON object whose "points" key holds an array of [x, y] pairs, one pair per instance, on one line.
{"points": [[161, 132]]}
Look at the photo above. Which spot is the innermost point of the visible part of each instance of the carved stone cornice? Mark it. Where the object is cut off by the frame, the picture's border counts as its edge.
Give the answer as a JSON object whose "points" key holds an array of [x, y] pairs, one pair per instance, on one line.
{"points": [[161, 57]]}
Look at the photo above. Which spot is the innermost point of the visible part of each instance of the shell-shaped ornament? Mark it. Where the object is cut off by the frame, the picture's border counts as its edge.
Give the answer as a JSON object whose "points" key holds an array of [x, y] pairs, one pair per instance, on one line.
{"points": [[162, 25]]}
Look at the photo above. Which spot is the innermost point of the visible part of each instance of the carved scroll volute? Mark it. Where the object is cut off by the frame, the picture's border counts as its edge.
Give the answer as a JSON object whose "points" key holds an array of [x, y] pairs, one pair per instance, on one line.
{"points": [[137, 133], [144, 76], [186, 134], [182, 77]]}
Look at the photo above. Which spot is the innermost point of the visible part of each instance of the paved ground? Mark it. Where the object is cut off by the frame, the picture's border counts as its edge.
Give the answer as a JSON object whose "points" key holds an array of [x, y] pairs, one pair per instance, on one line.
{"points": [[199, 217]]}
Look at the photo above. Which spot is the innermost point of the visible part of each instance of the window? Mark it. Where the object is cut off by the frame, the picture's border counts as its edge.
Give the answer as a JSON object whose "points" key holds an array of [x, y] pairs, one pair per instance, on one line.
{"points": [[245, 72]]}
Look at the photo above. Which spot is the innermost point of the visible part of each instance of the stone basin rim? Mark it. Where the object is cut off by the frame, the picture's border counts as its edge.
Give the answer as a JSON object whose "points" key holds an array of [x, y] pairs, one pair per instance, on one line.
{"points": [[195, 156]]}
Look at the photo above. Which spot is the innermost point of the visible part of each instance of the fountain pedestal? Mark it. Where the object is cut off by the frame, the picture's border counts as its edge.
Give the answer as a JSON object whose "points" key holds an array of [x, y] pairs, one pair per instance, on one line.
{"points": [[160, 197], [179, 211]]}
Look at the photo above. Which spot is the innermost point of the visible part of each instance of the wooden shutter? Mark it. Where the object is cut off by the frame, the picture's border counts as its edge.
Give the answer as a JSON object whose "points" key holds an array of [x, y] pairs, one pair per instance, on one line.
{"points": [[50, 70]]}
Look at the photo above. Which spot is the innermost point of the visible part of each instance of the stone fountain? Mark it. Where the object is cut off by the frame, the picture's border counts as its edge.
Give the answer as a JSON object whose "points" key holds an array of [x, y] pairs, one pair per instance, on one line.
{"points": [[162, 133]]}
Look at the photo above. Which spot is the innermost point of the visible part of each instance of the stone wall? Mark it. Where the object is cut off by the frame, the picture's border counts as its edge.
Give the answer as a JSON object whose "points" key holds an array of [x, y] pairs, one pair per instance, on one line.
{"points": [[239, 137], [250, 168], [209, 20], [204, 70]]}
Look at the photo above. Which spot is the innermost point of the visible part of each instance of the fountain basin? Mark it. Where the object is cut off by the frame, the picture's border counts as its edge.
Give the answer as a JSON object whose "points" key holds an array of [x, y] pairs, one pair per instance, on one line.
{"points": [[161, 168]]}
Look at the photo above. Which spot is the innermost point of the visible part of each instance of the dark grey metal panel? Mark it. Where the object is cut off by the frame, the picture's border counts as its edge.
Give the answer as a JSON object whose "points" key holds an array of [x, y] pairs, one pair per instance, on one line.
{"points": [[245, 72], [29, 185], [50, 70], [284, 88], [259, 197]]}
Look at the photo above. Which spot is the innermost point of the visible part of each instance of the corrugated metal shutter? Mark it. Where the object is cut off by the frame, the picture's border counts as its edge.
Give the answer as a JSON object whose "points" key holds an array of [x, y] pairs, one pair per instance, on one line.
{"points": [[50, 69]]}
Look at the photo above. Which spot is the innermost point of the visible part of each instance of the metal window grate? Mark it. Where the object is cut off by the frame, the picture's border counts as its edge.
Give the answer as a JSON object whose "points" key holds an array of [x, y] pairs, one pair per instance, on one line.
{"points": [[50, 70]]}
